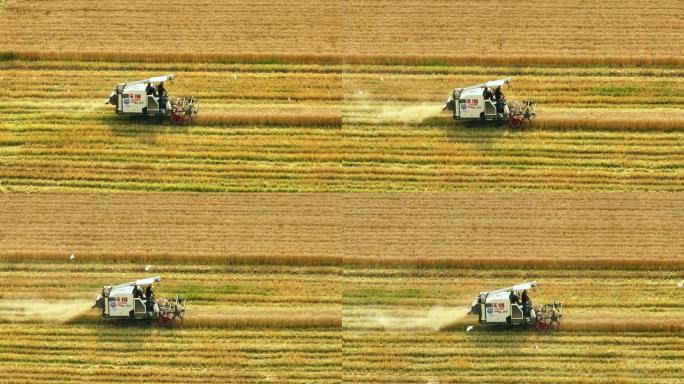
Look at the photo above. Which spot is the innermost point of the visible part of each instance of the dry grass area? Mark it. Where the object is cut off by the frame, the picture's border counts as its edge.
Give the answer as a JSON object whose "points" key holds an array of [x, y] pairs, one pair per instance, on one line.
{"points": [[275, 228], [374, 31], [544, 229]]}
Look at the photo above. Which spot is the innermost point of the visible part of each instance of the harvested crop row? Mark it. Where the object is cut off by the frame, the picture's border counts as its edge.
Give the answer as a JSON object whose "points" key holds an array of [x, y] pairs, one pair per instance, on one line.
{"points": [[60, 352], [575, 357], [333, 120], [446, 159], [276, 291], [514, 263]]}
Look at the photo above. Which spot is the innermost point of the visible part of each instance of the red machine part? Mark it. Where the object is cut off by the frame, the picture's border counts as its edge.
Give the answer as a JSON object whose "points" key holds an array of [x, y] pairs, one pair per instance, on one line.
{"points": [[177, 117], [517, 121], [542, 326], [165, 320]]}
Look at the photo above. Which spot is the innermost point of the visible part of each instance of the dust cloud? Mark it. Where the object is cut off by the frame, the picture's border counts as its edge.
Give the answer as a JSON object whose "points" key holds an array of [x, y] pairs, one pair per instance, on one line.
{"points": [[410, 114], [31, 310], [437, 318]]}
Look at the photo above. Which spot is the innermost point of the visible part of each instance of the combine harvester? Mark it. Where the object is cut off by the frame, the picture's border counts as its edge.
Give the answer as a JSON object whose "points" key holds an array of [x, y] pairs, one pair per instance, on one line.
{"points": [[512, 307], [135, 301], [148, 98], [480, 103]]}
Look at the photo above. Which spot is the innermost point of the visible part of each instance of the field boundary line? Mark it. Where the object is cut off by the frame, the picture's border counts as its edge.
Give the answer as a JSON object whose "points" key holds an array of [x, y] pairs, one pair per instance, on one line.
{"points": [[335, 58], [237, 322], [598, 325], [521, 262], [546, 263], [165, 258]]}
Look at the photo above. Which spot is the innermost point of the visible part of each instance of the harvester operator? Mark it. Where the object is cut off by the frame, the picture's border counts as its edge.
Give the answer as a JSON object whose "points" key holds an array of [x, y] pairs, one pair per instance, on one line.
{"points": [[498, 95], [514, 297], [526, 303], [161, 92], [149, 296], [137, 293], [148, 292], [149, 89], [487, 94]]}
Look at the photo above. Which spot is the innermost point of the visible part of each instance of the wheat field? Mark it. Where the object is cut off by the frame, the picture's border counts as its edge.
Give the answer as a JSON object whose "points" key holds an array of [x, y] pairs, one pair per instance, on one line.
{"points": [[318, 128], [367, 219]]}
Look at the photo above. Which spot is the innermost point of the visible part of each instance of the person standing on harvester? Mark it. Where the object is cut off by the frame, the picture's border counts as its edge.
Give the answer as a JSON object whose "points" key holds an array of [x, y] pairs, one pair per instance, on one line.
{"points": [[150, 90], [526, 303], [498, 95], [487, 93], [161, 92]]}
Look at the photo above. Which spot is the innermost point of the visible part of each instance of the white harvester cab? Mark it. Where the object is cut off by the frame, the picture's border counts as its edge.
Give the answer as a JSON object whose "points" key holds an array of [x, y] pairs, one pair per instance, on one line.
{"points": [[473, 105], [144, 98], [512, 306], [136, 300], [479, 103]]}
